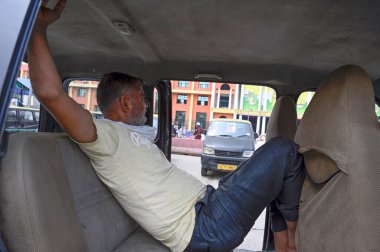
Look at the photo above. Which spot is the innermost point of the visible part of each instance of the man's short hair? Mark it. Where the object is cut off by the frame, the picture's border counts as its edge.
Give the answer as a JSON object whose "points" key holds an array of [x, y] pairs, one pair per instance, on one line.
{"points": [[112, 86]]}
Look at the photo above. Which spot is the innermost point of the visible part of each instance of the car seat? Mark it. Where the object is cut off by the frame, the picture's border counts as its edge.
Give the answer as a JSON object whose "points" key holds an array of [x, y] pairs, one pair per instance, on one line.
{"points": [[339, 137], [52, 200]]}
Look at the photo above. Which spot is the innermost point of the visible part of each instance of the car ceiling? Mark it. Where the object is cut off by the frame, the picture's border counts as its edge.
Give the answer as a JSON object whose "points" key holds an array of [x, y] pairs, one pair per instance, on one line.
{"points": [[290, 45]]}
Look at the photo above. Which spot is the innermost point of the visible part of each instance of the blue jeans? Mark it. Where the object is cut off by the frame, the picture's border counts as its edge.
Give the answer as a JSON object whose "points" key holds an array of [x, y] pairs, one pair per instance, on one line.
{"points": [[275, 173]]}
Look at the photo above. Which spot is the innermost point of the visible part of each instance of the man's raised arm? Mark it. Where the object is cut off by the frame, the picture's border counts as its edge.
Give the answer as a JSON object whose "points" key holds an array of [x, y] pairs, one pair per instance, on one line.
{"points": [[47, 84]]}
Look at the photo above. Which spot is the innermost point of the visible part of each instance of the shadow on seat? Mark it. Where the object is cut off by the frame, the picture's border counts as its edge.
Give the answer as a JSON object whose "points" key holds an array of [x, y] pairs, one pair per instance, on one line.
{"points": [[339, 137], [52, 200]]}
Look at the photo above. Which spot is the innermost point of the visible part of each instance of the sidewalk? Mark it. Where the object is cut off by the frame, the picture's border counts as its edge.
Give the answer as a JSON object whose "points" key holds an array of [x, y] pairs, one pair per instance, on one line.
{"points": [[187, 146]]}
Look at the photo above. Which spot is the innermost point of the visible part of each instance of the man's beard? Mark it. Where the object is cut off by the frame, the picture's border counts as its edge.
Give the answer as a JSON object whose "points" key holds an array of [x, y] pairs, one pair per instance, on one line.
{"points": [[138, 120]]}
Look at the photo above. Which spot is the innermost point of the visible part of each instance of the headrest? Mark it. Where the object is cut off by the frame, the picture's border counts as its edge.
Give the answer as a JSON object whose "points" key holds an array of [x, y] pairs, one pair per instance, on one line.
{"points": [[342, 107], [283, 120]]}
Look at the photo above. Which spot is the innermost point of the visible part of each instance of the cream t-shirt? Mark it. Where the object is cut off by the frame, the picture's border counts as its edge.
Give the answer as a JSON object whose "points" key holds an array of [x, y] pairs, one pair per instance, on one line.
{"points": [[158, 195]]}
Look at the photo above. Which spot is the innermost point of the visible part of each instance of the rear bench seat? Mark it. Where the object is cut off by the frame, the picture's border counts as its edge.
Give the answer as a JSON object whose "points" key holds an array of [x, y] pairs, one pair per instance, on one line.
{"points": [[52, 200]]}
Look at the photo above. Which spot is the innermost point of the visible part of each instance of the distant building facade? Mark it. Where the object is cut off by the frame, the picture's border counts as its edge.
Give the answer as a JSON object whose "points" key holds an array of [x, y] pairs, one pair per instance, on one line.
{"points": [[201, 102]]}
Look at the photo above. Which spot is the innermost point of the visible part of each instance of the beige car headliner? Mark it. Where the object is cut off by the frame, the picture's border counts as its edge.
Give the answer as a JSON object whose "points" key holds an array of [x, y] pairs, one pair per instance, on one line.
{"points": [[290, 45]]}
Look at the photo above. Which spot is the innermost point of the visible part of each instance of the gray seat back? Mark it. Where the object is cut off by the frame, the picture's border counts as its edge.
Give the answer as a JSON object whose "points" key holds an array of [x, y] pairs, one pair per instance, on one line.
{"points": [[339, 137], [52, 200]]}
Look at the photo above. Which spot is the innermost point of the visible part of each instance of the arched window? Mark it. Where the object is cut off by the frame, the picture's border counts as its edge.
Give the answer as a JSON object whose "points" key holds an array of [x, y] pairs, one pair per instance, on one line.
{"points": [[225, 87], [222, 117]]}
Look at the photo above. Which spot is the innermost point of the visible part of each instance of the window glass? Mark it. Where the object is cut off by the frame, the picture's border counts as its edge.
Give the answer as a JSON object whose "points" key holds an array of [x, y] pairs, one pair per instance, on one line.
{"points": [[212, 100], [26, 116], [183, 84], [84, 93], [12, 116], [202, 100], [225, 87], [303, 102], [180, 117], [224, 101], [201, 118], [156, 98], [181, 99], [229, 129], [204, 85], [37, 115], [377, 110], [24, 105]]}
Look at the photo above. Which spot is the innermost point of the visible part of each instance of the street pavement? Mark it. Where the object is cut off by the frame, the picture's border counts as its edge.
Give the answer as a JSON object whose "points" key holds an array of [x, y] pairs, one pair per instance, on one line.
{"points": [[192, 164]]}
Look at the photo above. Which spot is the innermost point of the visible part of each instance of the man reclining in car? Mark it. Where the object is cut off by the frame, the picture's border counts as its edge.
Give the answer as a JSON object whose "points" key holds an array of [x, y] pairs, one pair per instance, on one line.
{"points": [[173, 206]]}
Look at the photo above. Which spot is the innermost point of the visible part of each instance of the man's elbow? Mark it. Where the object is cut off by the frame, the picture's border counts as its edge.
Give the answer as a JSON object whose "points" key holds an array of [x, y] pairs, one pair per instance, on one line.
{"points": [[47, 96]]}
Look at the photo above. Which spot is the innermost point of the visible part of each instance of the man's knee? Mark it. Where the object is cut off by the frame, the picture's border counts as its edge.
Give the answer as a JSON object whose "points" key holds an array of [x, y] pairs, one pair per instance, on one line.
{"points": [[282, 148], [281, 143]]}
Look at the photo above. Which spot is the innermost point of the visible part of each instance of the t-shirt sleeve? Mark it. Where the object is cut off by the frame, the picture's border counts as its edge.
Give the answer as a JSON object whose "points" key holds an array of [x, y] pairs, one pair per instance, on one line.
{"points": [[106, 143]]}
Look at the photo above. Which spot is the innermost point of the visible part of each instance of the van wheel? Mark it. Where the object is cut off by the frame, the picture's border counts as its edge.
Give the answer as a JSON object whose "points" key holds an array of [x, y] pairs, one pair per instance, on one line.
{"points": [[204, 171]]}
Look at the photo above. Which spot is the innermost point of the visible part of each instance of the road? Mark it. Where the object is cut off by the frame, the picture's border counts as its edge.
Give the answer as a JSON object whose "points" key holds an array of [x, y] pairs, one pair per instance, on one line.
{"points": [[192, 164]]}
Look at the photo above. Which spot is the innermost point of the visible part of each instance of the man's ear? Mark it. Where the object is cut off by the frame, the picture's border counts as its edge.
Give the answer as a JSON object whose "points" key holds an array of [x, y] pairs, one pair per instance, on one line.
{"points": [[125, 103]]}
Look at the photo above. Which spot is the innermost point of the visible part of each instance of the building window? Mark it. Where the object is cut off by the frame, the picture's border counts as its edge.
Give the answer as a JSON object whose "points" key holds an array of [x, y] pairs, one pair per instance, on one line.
{"points": [[183, 84], [202, 100], [223, 102], [82, 106], [225, 87], [180, 117], [81, 92], [182, 99], [96, 108], [204, 85], [202, 119]]}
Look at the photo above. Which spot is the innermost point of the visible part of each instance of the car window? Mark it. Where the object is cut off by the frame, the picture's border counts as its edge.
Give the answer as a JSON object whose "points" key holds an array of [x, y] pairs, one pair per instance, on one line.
{"points": [[26, 116], [229, 129], [23, 110], [303, 102], [37, 116], [200, 102], [12, 115], [84, 93]]}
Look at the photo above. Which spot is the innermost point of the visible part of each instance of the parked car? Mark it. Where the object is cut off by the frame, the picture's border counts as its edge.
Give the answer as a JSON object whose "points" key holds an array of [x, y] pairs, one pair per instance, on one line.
{"points": [[227, 144], [21, 119]]}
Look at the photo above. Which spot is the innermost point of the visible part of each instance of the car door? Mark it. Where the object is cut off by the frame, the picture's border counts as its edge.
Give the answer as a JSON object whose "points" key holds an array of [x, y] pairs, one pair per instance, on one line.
{"points": [[16, 21]]}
